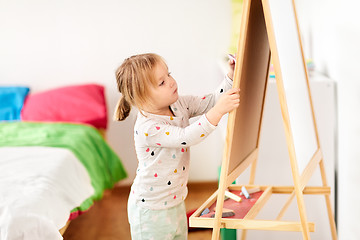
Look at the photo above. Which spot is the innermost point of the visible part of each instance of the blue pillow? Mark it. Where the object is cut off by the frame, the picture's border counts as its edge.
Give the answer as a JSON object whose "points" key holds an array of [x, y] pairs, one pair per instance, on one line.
{"points": [[11, 102]]}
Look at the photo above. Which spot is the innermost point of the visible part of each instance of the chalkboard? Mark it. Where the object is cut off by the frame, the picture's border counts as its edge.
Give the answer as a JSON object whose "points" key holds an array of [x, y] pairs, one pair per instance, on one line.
{"points": [[251, 76], [251, 73]]}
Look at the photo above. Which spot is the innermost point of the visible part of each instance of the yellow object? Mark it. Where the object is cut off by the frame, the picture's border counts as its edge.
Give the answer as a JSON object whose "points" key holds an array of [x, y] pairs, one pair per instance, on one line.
{"points": [[236, 6]]}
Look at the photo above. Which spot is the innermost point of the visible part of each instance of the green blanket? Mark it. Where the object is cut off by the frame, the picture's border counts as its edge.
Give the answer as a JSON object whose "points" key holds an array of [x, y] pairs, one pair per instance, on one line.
{"points": [[102, 164]]}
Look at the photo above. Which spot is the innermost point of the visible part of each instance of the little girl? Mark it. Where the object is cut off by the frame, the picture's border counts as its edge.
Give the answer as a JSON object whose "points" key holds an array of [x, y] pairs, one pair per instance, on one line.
{"points": [[162, 136]]}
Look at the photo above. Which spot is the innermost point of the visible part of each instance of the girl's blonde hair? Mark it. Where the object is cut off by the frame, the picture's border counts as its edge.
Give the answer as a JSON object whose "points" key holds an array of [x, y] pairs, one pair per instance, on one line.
{"points": [[134, 78]]}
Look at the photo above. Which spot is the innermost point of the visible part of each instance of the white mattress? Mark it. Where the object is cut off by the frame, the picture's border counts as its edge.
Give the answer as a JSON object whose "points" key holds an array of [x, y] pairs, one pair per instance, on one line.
{"points": [[39, 186]]}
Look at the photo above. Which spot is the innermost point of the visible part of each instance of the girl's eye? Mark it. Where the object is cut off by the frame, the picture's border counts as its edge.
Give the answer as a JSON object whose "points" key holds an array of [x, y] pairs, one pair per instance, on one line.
{"points": [[162, 83], [169, 74]]}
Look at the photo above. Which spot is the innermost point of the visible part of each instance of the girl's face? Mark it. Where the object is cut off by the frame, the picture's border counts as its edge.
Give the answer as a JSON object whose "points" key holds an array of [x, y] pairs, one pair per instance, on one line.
{"points": [[164, 93]]}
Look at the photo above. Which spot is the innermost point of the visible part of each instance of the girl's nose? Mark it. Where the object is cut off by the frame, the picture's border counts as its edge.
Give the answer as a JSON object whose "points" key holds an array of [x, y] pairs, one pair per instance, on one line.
{"points": [[172, 83]]}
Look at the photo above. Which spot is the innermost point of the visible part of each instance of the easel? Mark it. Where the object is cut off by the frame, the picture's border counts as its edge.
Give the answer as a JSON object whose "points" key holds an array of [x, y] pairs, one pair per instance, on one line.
{"points": [[269, 26]]}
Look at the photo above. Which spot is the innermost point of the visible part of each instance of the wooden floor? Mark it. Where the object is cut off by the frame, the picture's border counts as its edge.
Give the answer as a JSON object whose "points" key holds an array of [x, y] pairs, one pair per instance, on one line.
{"points": [[107, 219]]}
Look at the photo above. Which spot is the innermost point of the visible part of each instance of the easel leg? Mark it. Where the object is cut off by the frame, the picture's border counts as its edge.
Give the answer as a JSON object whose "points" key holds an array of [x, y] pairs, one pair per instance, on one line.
{"points": [[298, 192], [218, 213], [220, 200], [252, 172], [251, 182], [328, 203], [243, 234], [215, 233], [286, 206], [302, 212]]}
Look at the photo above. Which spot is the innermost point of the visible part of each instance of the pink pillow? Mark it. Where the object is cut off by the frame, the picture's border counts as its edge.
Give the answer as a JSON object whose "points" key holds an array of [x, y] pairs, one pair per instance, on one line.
{"points": [[79, 104]]}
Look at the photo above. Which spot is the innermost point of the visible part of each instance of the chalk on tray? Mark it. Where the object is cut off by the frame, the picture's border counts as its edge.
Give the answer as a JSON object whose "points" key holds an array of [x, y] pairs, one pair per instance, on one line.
{"points": [[234, 197], [206, 211], [245, 192], [252, 190], [226, 213]]}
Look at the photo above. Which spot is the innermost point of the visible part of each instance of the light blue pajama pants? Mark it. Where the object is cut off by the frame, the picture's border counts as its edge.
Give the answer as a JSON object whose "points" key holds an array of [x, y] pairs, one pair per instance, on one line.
{"points": [[166, 224]]}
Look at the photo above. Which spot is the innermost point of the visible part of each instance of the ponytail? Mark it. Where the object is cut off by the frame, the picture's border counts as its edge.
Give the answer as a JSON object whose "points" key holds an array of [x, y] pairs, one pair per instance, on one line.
{"points": [[122, 109]]}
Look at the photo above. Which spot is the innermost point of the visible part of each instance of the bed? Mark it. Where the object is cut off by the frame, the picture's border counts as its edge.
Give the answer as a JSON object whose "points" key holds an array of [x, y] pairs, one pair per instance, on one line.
{"points": [[54, 160]]}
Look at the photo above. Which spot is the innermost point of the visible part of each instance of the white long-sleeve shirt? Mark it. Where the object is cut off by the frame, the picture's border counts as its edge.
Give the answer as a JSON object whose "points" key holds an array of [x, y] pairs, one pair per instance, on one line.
{"points": [[162, 145]]}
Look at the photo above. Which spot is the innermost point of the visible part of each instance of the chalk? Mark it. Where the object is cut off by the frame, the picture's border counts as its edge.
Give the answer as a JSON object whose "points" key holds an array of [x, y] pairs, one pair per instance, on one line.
{"points": [[251, 190], [234, 197], [227, 210], [226, 213], [245, 192], [206, 211]]}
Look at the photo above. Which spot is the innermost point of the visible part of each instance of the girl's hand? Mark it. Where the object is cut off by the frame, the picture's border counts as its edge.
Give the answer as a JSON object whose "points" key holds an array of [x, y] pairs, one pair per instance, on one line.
{"points": [[227, 102], [231, 68]]}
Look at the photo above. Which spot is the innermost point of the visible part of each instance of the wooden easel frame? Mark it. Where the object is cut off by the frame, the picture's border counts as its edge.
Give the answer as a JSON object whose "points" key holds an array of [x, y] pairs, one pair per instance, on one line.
{"points": [[229, 172]]}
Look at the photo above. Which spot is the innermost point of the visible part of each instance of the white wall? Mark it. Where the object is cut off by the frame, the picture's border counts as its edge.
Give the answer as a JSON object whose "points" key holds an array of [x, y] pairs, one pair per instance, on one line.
{"points": [[332, 36], [45, 44]]}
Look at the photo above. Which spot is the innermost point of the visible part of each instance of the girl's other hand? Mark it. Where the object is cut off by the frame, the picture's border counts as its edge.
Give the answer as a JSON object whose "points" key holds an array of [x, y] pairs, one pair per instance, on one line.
{"points": [[231, 63]]}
